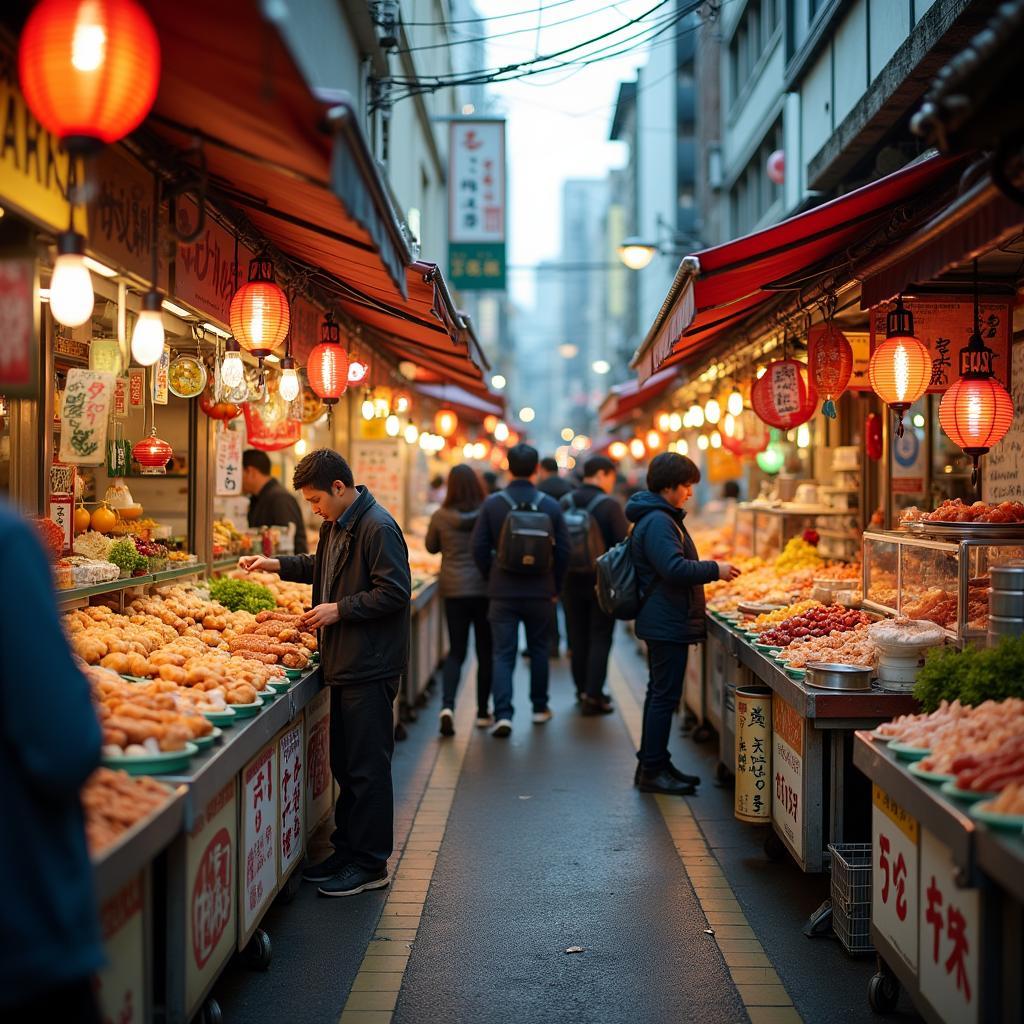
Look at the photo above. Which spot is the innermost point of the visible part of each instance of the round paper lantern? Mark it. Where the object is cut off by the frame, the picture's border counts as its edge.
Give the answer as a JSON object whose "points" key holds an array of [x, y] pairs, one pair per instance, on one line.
{"points": [[152, 453], [976, 412], [784, 396], [749, 436], [327, 366], [446, 422], [830, 362], [901, 366], [775, 166], [259, 314], [773, 458], [89, 69]]}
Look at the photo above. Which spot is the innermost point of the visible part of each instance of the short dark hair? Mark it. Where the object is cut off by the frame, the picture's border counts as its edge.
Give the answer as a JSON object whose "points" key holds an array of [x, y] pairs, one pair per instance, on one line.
{"points": [[549, 464], [731, 489], [465, 492], [254, 458], [522, 460], [491, 481], [669, 469], [320, 469], [598, 464]]}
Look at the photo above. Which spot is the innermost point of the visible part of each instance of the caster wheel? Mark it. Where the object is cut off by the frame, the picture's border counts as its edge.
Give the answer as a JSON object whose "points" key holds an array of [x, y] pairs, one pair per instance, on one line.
{"points": [[211, 1013], [722, 774], [702, 733], [883, 993], [259, 952], [774, 848]]}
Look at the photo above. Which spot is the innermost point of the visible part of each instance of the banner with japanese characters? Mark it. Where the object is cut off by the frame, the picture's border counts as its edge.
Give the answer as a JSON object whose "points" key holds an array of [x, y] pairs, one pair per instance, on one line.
{"points": [[229, 463], [85, 411], [476, 204], [121, 986], [161, 377], [318, 761], [894, 836], [788, 767], [290, 787], [752, 800], [258, 848]]}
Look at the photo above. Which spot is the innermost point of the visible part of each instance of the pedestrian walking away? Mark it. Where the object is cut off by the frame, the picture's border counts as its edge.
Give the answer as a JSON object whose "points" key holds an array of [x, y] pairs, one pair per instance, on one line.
{"points": [[552, 483], [361, 607], [595, 522], [671, 617], [269, 503], [464, 590], [521, 547]]}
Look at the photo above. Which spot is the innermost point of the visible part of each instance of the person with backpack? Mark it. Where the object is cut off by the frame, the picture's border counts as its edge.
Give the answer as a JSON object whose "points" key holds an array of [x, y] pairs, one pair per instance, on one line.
{"points": [[464, 591], [595, 523], [521, 547], [670, 581]]}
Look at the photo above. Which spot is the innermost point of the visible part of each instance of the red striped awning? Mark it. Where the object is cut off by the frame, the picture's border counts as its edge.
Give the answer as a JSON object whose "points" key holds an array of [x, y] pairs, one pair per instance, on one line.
{"points": [[624, 398]]}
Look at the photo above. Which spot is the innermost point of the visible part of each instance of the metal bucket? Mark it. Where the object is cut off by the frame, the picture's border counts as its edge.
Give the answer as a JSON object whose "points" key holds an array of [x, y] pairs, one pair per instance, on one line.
{"points": [[1008, 576], [1008, 604], [753, 798], [1000, 625]]}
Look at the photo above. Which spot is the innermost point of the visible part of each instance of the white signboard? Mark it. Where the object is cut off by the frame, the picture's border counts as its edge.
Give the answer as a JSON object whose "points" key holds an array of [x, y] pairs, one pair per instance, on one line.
{"points": [[258, 849], [161, 377], [476, 181], [378, 465], [788, 770], [229, 463], [121, 985], [83, 417], [1003, 467], [292, 797], [894, 836], [318, 784]]}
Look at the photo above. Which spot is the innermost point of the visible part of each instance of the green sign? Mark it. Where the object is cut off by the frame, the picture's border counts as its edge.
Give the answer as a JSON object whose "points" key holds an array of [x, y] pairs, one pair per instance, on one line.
{"points": [[477, 266]]}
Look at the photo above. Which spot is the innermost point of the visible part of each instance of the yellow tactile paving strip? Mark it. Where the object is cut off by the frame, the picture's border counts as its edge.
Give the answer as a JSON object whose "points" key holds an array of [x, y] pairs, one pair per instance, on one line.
{"points": [[376, 986], [760, 988]]}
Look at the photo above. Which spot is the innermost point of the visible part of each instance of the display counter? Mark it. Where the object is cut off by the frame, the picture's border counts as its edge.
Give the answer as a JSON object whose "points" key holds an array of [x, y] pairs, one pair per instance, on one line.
{"points": [[78, 597], [428, 642]]}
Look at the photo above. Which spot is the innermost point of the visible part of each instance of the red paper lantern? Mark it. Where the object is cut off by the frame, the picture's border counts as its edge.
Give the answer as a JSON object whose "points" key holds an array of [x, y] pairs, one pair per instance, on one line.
{"points": [[152, 454], [89, 69], [749, 437], [830, 362], [901, 367], [446, 422], [327, 367], [259, 313], [785, 396]]}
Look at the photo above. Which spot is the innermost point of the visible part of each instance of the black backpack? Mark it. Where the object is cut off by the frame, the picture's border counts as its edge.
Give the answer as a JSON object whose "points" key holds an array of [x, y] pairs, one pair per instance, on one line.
{"points": [[618, 586], [586, 541], [526, 543]]}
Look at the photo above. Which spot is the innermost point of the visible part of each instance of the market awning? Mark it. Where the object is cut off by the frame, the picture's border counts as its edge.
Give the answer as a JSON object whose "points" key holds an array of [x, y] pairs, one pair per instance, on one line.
{"points": [[624, 398], [464, 402], [715, 289]]}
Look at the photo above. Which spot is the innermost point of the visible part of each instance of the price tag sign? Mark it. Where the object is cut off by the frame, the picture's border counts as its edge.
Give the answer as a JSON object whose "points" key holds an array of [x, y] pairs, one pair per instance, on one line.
{"points": [[122, 386], [318, 760], [894, 841], [950, 936], [229, 463], [161, 376], [136, 387], [291, 754], [84, 415], [121, 986], [258, 852], [788, 768]]}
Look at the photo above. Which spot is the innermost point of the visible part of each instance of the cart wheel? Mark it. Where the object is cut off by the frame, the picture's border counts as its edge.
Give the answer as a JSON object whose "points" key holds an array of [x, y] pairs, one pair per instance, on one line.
{"points": [[722, 774], [211, 1013], [291, 888], [774, 847], [702, 733], [259, 951], [883, 992]]}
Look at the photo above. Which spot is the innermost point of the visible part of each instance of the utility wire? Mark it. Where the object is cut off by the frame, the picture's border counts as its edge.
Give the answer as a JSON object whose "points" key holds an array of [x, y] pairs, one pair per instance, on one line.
{"points": [[491, 17]]}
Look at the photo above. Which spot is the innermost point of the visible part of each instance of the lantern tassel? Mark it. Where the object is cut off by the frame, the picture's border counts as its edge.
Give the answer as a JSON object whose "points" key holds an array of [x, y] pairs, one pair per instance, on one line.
{"points": [[829, 409], [899, 425], [975, 475]]}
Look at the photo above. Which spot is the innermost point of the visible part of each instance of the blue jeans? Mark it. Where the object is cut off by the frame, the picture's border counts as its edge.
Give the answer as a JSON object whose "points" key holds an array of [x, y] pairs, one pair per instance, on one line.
{"points": [[667, 663], [505, 616]]}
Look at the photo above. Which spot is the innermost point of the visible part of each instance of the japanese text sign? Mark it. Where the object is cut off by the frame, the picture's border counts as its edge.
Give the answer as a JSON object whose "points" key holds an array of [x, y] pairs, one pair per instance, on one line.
{"points": [[292, 797], [894, 836], [121, 986], [258, 849], [788, 768], [137, 387], [378, 465], [753, 798], [18, 328], [121, 389], [161, 372], [84, 415], [229, 463], [318, 760]]}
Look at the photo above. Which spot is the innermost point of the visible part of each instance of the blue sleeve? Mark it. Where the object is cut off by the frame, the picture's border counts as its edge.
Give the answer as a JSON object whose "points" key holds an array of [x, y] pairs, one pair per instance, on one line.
{"points": [[48, 720], [483, 541], [663, 547]]}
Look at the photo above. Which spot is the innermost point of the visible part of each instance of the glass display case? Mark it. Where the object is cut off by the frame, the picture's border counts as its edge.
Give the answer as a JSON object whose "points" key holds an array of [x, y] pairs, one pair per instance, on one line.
{"points": [[942, 581]]}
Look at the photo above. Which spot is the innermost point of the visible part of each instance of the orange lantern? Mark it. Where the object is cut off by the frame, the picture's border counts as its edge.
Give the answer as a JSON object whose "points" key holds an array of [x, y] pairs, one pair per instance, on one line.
{"points": [[327, 366], [89, 69], [900, 367], [152, 453], [830, 362], [446, 422], [653, 440], [618, 450], [259, 314], [490, 423], [784, 396], [217, 410]]}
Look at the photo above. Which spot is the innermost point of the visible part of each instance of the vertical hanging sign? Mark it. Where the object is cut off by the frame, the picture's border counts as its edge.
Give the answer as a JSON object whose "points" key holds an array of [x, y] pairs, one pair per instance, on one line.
{"points": [[476, 204], [84, 414], [137, 387], [121, 388], [229, 463], [161, 373]]}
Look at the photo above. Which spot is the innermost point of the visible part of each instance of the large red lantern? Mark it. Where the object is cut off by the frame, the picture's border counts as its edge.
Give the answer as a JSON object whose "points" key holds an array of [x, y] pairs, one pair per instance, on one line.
{"points": [[152, 454], [749, 435], [785, 396], [259, 314], [327, 365], [830, 363], [901, 366], [89, 69]]}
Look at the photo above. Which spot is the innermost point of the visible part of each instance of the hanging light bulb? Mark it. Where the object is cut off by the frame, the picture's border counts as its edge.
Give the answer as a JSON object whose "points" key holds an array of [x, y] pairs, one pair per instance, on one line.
{"points": [[734, 403], [618, 450], [712, 411], [301, 447], [71, 295], [288, 387], [468, 450], [661, 421], [367, 409], [501, 432], [393, 425], [425, 442], [446, 422], [803, 436], [683, 446], [148, 335], [716, 439], [653, 440], [637, 449], [703, 442], [729, 425], [411, 433], [232, 369], [696, 416], [675, 422]]}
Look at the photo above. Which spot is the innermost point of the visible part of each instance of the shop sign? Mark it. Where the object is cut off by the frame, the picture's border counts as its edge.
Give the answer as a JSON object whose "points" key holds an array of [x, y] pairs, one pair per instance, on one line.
{"points": [[210, 856], [949, 935], [121, 985], [788, 765], [1003, 477], [19, 328], [229, 463], [137, 387], [257, 868], [894, 836], [753, 756], [860, 342], [378, 465], [161, 375], [85, 411], [292, 797], [318, 760], [944, 324], [105, 354], [122, 386]]}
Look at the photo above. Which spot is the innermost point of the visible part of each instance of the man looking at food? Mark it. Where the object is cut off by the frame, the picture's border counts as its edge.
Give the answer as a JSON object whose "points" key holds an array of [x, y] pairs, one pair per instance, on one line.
{"points": [[361, 605], [269, 503]]}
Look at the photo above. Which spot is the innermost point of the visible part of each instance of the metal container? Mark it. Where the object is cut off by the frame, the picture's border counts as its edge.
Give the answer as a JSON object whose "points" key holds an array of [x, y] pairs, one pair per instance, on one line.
{"points": [[1001, 625], [828, 676], [1008, 576], [1007, 604]]}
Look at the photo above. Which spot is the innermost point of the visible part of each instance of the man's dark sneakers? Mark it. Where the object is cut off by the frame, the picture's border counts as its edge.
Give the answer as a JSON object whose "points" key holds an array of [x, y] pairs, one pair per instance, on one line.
{"points": [[663, 782], [324, 870], [595, 706], [354, 880], [690, 780]]}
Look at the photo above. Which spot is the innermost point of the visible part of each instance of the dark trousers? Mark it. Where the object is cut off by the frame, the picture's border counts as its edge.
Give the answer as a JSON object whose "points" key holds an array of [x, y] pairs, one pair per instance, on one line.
{"points": [[589, 632], [362, 743], [667, 663], [505, 617], [461, 613], [72, 1002]]}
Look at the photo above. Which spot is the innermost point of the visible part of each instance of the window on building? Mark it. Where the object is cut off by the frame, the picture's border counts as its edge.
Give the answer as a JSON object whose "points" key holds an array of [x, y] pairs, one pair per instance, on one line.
{"points": [[754, 34], [753, 194]]}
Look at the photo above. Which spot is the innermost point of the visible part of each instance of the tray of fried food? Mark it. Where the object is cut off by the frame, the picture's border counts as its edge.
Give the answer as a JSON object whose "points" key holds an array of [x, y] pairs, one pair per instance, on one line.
{"points": [[854, 647], [114, 802], [270, 650], [133, 716], [96, 632]]}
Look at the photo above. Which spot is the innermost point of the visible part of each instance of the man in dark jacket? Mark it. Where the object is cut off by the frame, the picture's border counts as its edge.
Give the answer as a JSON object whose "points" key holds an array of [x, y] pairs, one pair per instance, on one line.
{"points": [[49, 745], [269, 503], [671, 580], [588, 629], [361, 606], [519, 597], [550, 481]]}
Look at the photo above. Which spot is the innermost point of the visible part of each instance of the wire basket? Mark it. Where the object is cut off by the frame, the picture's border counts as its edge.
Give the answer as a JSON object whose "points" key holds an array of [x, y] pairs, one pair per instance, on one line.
{"points": [[851, 895]]}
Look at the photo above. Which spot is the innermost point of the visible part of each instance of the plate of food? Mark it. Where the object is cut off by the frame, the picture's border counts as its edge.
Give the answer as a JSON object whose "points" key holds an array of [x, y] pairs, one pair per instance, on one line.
{"points": [[767, 648], [967, 795], [905, 752], [207, 741], [294, 673], [225, 716], [1005, 812], [936, 778], [248, 710], [269, 694], [140, 759], [879, 737], [280, 685]]}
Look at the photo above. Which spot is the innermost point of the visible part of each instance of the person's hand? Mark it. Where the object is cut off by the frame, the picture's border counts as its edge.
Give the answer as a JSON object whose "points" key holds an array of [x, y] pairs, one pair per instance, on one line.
{"points": [[727, 571], [258, 563], [320, 616]]}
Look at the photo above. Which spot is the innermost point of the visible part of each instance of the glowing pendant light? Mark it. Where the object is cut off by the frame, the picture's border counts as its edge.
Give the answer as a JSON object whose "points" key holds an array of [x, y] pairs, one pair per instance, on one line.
{"points": [[259, 313], [232, 369], [696, 416], [900, 367], [327, 367], [618, 450], [773, 458], [367, 409], [712, 411], [446, 422], [653, 440], [289, 385], [637, 449], [411, 433], [148, 334], [734, 403], [71, 295]]}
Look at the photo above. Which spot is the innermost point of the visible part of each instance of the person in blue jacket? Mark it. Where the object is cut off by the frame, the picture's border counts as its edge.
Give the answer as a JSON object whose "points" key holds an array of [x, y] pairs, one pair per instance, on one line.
{"points": [[671, 617], [49, 745]]}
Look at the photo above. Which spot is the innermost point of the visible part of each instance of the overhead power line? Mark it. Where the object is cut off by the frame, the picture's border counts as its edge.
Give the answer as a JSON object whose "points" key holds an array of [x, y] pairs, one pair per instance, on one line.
{"points": [[491, 17]]}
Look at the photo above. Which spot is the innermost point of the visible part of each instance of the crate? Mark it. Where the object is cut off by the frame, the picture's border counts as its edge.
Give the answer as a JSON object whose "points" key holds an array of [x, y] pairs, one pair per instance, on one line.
{"points": [[851, 895]]}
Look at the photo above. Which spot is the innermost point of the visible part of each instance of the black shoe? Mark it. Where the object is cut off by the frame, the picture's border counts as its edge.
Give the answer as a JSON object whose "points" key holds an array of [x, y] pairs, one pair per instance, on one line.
{"points": [[354, 880], [591, 706], [690, 780], [663, 782], [447, 724], [326, 869]]}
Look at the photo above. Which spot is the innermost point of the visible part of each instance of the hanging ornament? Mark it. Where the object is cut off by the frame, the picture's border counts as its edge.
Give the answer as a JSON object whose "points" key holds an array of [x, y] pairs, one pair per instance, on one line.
{"points": [[218, 410], [358, 369], [232, 369], [900, 367], [773, 458], [152, 454], [446, 422], [259, 313], [328, 366], [784, 396], [268, 427], [830, 363]]}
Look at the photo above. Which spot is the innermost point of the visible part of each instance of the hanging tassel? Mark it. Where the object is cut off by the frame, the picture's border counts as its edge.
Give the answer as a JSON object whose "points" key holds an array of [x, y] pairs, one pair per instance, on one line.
{"points": [[899, 425], [829, 409]]}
